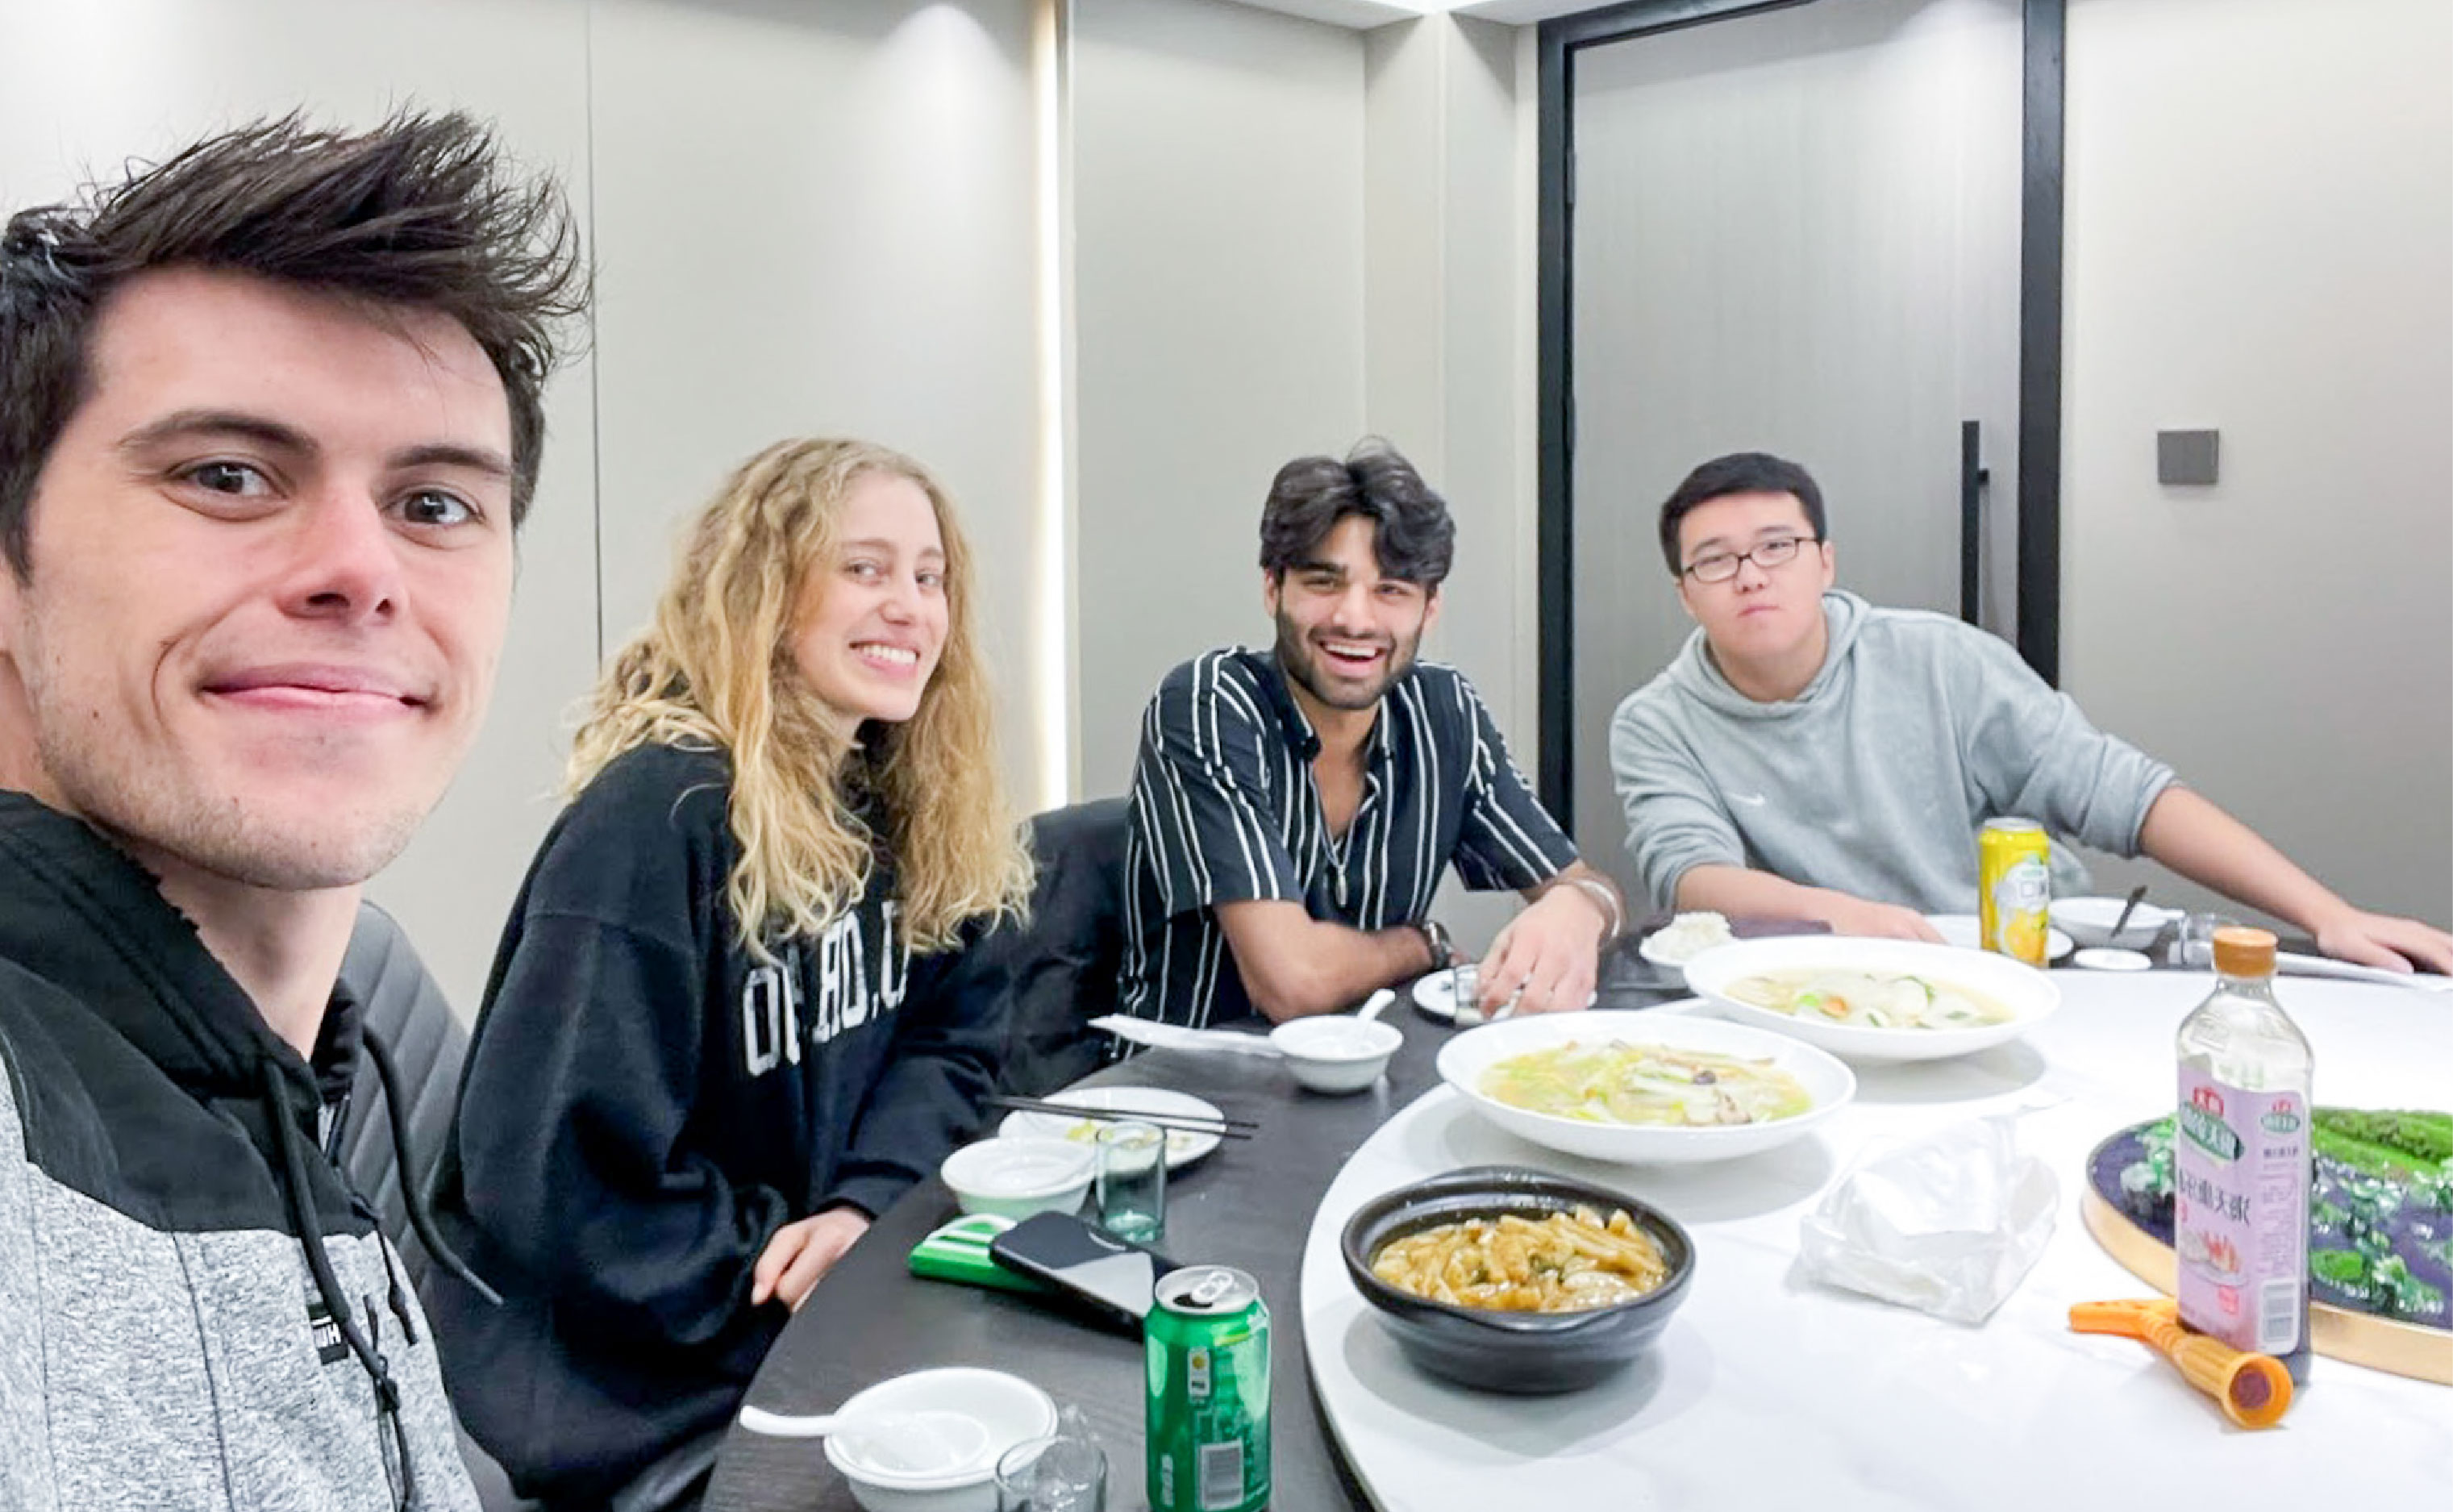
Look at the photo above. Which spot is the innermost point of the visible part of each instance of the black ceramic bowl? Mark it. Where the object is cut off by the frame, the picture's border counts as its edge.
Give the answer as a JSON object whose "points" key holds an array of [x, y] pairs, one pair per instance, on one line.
{"points": [[1521, 1352]]}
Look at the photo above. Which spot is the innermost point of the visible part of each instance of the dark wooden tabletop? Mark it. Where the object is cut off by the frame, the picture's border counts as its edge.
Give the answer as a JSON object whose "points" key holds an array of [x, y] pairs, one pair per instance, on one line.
{"points": [[1249, 1204]]}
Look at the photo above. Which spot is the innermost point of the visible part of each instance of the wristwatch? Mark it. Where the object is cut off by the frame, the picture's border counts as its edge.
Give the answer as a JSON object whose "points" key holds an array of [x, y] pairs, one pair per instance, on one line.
{"points": [[1435, 934]]}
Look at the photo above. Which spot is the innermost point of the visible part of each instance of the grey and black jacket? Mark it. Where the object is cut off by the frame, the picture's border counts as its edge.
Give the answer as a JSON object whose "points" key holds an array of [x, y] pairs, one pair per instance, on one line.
{"points": [[195, 1312]]}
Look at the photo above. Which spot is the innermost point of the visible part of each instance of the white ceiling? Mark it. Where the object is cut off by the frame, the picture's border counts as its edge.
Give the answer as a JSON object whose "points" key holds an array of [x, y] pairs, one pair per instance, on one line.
{"points": [[1363, 14], [1357, 14], [1522, 12]]}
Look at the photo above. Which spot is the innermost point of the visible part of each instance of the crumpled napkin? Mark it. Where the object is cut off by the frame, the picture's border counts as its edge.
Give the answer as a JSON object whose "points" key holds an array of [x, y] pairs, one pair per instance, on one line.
{"points": [[1950, 1223]]}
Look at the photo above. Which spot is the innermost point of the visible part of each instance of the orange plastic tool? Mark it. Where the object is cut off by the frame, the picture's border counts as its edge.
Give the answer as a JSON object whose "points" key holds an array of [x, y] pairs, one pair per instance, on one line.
{"points": [[2254, 1390]]}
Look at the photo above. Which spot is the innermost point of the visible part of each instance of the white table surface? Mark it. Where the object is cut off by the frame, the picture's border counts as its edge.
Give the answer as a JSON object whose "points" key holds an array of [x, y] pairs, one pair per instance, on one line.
{"points": [[1768, 1390]]}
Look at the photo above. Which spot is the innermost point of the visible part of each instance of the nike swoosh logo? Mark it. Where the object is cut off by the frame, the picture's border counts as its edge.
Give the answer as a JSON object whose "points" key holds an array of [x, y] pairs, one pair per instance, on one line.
{"points": [[1751, 800]]}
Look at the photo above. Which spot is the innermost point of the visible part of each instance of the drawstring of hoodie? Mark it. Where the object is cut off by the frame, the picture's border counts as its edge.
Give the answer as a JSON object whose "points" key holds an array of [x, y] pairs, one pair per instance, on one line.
{"points": [[294, 1187], [310, 1237], [419, 1219]]}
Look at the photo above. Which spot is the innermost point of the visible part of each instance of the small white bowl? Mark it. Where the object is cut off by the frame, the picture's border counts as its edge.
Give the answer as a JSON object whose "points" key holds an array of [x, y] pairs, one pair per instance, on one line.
{"points": [[1010, 1408], [1668, 949], [1016, 1178], [1674, 970], [2088, 921], [1334, 1053]]}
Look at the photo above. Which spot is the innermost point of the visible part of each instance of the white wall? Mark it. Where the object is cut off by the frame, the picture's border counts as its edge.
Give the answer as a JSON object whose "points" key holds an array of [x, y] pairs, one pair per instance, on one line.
{"points": [[816, 220], [2259, 202], [1218, 191], [1450, 306], [1448, 293]]}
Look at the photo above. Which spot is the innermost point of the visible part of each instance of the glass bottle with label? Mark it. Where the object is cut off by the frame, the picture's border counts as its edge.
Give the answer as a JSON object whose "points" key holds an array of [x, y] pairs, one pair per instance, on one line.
{"points": [[2241, 1160]]}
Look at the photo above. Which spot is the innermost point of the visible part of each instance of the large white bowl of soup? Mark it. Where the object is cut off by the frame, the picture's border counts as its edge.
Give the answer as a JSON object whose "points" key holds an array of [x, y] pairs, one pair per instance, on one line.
{"points": [[1876, 1000], [1647, 1089]]}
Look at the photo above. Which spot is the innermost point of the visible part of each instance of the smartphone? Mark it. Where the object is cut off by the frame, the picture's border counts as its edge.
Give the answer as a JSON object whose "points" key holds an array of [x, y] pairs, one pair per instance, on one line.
{"points": [[1112, 1280]]}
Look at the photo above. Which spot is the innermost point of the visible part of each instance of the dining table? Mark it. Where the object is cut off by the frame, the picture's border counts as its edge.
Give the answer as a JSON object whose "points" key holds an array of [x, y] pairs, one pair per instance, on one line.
{"points": [[1768, 1388]]}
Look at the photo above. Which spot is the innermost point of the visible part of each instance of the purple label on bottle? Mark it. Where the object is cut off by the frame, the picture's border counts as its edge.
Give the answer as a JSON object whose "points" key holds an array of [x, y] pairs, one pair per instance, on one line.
{"points": [[2240, 1213]]}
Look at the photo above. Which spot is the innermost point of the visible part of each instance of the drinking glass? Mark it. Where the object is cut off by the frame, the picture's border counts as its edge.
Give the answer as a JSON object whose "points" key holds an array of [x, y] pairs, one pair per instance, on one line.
{"points": [[1063, 1473], [1132, 1180], [1469, 997], [2193, 943]]}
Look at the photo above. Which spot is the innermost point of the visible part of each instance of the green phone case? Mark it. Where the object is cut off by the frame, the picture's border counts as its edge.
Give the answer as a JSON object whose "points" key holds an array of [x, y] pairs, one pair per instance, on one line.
{"points": [[959, 1251]]}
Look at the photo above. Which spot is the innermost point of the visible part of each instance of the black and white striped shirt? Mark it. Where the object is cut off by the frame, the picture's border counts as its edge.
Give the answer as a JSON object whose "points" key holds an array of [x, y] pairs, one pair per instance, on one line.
{"points": [[1225, 810]]}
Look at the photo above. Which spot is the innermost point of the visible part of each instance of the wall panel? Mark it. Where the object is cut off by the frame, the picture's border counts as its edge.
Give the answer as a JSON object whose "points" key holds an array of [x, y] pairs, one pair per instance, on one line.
{"points": [[2261, 240], [1218, 253]]}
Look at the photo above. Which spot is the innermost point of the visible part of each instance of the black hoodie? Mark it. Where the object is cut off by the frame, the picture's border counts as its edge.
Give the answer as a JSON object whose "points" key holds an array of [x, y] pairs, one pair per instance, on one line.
{"points": [[194, 1311], [646, 1103]]}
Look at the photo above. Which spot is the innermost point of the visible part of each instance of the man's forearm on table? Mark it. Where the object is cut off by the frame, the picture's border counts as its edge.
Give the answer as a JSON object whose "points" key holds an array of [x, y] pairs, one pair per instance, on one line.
{"points": [[1294, 967], [2194, 837], [1741, 891]]}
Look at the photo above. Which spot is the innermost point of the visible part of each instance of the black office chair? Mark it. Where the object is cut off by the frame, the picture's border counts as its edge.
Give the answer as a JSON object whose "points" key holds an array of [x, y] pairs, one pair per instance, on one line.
{"points": [[405, 1006], [1061, 966], [402, 1004]]}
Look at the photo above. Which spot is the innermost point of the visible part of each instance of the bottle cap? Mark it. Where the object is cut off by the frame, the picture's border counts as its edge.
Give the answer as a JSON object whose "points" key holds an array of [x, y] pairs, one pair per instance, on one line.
{"points": [[2244, 952]]}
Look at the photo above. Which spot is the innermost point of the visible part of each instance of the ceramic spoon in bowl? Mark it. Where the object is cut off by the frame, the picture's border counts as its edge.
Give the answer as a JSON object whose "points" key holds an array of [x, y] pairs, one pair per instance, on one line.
{"points": [[1372, 1004], [2136, 896], [920, 1443]]}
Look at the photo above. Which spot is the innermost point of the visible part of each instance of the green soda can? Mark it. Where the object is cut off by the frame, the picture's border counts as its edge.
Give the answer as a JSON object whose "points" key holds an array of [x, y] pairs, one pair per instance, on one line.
{"points": [[1206, 1345]]}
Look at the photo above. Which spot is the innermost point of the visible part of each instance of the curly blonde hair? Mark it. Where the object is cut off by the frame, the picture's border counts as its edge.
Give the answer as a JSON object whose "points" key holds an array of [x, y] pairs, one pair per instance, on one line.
{"points": [[714, 668]]}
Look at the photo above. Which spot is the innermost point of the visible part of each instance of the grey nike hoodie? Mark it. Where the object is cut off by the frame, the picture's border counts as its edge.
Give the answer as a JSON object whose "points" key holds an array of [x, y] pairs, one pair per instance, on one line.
{"points": [[1873, 780]]}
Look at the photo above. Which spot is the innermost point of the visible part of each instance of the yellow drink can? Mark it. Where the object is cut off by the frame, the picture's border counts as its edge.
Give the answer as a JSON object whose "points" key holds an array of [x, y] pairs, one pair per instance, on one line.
{"points": [[2014, 887]]}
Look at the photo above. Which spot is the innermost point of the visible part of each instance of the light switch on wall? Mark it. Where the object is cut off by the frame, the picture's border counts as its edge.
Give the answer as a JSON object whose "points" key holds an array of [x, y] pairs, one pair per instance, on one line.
{"points": [[2187, 457]]}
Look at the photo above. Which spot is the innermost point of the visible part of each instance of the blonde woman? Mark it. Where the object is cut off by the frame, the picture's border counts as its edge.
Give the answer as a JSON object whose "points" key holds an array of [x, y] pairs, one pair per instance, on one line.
{"points": [[729, 1022]]}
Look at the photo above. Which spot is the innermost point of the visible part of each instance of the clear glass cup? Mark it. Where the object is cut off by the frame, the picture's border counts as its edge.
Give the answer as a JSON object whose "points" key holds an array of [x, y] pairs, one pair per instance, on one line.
{"points": [[1469, 997], [2193, 942], [1132, 1180], [1065, 1472]]}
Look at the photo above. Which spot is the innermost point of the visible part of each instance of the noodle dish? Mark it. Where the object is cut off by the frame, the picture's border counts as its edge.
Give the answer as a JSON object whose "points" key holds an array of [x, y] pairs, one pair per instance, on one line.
{"points": [[1503, 1278]]}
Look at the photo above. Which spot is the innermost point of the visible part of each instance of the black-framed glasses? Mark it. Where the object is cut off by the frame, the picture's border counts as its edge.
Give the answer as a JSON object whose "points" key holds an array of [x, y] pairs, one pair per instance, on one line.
{"points": [[1719, 566]]}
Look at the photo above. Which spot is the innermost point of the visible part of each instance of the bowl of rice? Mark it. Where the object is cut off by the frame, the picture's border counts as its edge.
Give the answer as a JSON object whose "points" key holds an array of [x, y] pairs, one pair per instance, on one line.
{"points": [[1682, 939]]}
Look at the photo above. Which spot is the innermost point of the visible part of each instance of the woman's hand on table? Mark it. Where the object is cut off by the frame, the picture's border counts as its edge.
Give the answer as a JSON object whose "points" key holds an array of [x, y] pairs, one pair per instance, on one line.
{"points": [[800, 1254]]}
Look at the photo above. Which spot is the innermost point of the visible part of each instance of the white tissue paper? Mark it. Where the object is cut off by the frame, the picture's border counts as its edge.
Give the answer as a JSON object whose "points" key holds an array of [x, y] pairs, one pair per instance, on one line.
{"points": [[1950, 1222]]}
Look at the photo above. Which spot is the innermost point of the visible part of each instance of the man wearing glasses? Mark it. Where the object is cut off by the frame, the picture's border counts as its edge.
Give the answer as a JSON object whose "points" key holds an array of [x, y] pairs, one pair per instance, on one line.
{"points": [[1810, 756]]}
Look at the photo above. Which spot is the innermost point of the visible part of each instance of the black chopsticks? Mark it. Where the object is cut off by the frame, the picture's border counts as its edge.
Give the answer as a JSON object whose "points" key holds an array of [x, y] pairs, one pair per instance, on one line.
{"points": [[1224, 1127]]}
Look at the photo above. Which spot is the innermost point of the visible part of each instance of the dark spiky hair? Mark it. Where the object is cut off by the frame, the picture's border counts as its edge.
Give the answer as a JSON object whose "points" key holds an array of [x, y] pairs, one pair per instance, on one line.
{"points": [[1413, 538], [418, 214]]}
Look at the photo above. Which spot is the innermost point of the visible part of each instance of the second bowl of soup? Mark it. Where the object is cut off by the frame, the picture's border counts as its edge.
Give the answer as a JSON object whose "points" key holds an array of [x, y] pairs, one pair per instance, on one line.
{"points": [[1876, 1000]]}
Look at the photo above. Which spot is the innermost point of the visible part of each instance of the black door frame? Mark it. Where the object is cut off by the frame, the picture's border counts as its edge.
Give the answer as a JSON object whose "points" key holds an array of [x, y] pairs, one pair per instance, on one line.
{"points": [[2039, 346]]}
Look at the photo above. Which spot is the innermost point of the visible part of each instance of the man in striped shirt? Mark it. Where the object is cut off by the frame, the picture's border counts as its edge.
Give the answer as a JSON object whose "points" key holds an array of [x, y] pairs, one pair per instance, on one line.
{"points": [[1293, 809]]}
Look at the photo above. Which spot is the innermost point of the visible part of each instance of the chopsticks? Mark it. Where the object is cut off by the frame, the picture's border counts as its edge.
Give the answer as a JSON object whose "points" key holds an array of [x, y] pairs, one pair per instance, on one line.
{"points": [[1233, 1128]]}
